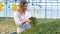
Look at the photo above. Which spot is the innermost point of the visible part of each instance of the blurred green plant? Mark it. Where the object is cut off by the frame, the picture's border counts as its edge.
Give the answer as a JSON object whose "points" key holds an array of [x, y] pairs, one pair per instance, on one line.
{"points": [[51, 27], [34, 21]]}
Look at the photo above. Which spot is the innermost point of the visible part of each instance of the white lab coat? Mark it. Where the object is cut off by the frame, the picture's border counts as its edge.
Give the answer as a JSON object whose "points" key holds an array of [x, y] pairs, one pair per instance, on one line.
{"points": [[18, 20]]}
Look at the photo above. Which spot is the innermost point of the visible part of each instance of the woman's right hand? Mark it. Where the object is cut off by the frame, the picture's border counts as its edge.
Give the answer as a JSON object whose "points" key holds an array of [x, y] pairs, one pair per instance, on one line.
{"points": [[23, 22]]}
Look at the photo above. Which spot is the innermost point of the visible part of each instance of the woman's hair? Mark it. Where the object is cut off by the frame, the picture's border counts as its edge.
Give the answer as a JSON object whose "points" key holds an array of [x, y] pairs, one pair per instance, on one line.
{"points": [[22, 3]]}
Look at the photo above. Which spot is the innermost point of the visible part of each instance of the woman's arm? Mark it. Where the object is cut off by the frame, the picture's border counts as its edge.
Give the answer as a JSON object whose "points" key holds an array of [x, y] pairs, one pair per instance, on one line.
{"points": [[28, 16], [17, 19], [28, 20]]}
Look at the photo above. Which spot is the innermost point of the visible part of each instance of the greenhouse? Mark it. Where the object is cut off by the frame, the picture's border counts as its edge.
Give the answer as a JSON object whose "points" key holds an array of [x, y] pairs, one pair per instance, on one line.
{"points": [[45, 16]]}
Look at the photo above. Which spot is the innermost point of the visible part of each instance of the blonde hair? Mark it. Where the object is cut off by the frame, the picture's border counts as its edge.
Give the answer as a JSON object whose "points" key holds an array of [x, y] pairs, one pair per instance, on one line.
{"points": [[20, 9]]}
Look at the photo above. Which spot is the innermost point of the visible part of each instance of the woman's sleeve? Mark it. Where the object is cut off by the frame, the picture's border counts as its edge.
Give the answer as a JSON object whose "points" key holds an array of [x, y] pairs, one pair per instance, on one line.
{"points": [[28, 14], [17, 20]]}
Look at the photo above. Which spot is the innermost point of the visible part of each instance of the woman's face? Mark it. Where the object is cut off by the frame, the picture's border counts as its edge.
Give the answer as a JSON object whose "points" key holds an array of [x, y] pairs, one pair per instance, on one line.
{"points": [[25, 6]]}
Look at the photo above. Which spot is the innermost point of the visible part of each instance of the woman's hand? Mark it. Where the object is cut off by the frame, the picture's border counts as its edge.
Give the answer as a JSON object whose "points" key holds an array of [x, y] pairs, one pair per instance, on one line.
{"points": [[23, 22], [26, 20]]}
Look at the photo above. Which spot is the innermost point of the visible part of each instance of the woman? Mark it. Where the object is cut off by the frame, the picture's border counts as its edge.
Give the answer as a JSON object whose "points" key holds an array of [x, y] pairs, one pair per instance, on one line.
{"points": [[21, 17]]}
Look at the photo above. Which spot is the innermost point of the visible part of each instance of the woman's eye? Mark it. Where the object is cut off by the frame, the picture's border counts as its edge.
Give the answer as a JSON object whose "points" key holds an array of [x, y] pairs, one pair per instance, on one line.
{"points": [[25, 6]]}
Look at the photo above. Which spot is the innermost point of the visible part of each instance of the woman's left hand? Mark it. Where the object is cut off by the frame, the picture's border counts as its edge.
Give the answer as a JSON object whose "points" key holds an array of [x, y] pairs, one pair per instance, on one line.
{"points": [[28, 20]]}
